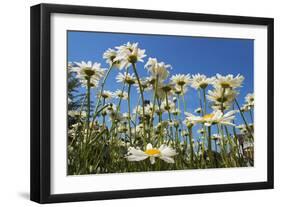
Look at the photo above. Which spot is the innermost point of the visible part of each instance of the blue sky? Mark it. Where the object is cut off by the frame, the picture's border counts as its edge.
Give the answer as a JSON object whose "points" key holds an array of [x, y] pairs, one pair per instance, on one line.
{"points": [[186, 55]]}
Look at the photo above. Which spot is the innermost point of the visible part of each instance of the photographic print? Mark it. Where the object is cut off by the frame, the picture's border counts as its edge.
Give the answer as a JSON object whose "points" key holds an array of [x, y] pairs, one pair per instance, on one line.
{"points": [[123, 99], [141, 102]]}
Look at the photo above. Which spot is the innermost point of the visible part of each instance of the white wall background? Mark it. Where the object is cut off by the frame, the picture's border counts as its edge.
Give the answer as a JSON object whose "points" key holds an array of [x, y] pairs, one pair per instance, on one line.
{"points": [[14, 103]]}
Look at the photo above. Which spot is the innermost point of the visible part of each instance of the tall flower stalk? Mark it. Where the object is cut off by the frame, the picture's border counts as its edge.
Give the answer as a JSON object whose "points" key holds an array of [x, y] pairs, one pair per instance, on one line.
{"points": [[190, 135], [210, 152], [88, 105], [142, 99], [129, 111], [244, 119], [102, 88]]}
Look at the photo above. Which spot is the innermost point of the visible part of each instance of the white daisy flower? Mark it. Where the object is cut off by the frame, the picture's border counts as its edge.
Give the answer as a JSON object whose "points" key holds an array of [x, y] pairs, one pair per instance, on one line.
{"points": [[89, 70], [181, 79], [170, 106], [164, 153], [217, 117], [111, 107], [116, 116], [159, 110], [145, 84], [174, 123], [121, 94], [147, 110], [122, 128], [162, 124], [167, 88], [188, 122], [93, 83], [228, 81], [109, 56], [126, 78], [106, 94], [139, 129], [129, 54], [201, 81], [179, 90], [157, 69], [249, 99], [221, 95]]}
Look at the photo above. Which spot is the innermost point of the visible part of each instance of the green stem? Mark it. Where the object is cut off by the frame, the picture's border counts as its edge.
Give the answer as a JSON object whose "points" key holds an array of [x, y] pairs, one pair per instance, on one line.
{"points": [[184, 104], [210, 145], [154, 101], [191, 145], [203, 153], [178, 99], [123, 89], [231, 150], [103, 103], [223, 147], [79, 118], [205, 101], [113, 127], [160, 121], [136, 118], [237, 144], [222, 100], [129, 111], [88, 104], [153, 107], [102, 87], [169, 114], [200, 102], [251, 115], [168, 107], [142, 98], [243, 117]]}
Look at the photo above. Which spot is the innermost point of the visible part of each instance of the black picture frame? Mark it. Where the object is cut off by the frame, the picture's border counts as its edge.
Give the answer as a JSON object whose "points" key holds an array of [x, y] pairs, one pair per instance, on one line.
{"points": [[41, 96]]}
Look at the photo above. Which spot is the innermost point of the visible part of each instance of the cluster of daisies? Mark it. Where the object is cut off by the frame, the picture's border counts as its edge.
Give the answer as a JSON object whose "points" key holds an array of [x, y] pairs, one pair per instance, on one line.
{"points": [[160, 126]]}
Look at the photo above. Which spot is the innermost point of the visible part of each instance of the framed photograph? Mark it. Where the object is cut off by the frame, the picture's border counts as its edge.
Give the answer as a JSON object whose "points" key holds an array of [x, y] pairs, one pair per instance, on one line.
{"points": [[133, 103]]}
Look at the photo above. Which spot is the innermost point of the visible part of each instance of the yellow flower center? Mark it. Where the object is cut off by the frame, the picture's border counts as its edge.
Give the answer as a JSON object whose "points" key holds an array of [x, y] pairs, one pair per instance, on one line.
{"points": [[112, 57], [133, 59], [89, 71], [181, 83], [222, 99], [208, 116], [225, 85], [104, 95], [129, 80], [166, 88], [152, 152], [203, 85]]}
